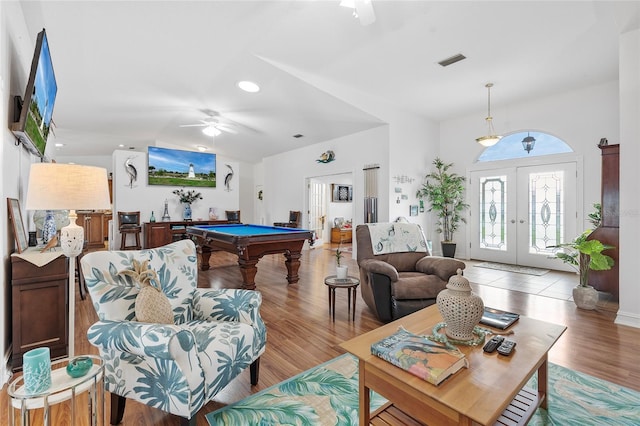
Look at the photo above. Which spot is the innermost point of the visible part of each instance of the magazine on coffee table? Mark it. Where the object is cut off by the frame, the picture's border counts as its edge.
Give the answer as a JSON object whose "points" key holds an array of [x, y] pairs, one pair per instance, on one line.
{"points": [[429, 360], [497, 318]]}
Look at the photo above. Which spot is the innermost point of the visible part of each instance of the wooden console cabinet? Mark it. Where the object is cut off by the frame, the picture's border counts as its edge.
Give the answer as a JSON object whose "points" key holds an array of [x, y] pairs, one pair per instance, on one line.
{"points": [[341, 235], [94, 229], [158, 234], [39, 307]]}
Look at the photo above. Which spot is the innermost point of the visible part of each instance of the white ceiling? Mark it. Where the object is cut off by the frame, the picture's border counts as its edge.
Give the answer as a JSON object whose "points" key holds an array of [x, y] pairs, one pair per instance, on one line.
{"points": [[132, 72]]}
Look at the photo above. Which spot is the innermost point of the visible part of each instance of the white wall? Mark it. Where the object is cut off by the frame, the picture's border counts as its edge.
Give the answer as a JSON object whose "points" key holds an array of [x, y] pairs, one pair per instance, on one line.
{"points": [[16, 51], [629, 310], [414, 145], [580, 118], [285, 174], [104, 161], [151, 198]]}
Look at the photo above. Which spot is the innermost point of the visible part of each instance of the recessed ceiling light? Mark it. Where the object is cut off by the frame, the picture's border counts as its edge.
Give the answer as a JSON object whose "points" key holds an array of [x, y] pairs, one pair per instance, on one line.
{"points": [[59, 145], [121, 145], [249, 86], [201, 148]]}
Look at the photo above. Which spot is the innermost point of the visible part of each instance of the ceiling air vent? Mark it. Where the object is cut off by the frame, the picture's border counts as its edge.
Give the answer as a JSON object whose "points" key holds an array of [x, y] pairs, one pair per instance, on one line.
{"points": [[452, 60], [298, 135]]}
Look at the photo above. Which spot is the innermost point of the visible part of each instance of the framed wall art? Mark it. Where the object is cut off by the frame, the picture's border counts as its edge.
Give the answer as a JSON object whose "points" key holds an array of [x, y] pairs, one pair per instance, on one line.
{"points": [[413, 210], [19, 231], [341, 193]]}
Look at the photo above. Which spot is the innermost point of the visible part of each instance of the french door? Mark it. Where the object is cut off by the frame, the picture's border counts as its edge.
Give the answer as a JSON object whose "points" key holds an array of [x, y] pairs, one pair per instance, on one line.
{"points": [[317, 212], [517, 212]]}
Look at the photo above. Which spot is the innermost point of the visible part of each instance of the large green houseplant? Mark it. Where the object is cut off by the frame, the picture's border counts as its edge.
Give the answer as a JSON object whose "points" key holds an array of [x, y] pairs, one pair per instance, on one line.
{"points": [[585, 255], [445, 192]]}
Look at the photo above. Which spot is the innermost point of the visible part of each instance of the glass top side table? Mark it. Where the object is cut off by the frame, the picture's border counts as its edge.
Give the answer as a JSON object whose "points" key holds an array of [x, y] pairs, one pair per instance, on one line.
{"points": [[351, 284], [63, 388]]}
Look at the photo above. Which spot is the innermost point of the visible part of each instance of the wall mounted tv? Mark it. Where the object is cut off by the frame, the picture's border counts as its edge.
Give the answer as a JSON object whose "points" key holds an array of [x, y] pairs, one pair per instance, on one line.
{"points": [[175, 167], [33, 113]]}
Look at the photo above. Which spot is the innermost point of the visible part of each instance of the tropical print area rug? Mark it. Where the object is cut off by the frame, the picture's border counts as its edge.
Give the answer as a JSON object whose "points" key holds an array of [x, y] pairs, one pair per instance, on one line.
{"points": [[328, 395], [512, 268]]}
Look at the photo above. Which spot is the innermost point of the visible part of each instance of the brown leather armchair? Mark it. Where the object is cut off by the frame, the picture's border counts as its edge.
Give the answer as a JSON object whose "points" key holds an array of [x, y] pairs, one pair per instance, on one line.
{"points": [[398, 283]]}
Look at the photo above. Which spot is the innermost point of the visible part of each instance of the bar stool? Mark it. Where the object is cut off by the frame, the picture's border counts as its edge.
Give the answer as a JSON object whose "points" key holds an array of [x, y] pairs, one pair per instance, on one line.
{"points": [[233, 216], [129, 224]]}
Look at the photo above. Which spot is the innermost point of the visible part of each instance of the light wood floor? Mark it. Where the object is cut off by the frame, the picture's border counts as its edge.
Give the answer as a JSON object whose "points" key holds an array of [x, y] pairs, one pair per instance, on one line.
{"points": [[301, 334]]}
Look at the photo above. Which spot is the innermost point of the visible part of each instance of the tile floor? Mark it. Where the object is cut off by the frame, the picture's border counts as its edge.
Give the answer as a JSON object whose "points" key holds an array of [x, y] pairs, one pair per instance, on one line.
{"points": [[554, 284]]}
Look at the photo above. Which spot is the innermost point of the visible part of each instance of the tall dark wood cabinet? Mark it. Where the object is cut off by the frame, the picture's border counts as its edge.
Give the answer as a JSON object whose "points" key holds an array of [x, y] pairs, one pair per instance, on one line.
{"points": [[39, 307], [608, 231]]}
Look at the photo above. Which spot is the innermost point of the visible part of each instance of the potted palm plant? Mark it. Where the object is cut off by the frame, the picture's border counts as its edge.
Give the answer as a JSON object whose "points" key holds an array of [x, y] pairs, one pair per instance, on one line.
{"points": [[585, 255], [445, 191]]}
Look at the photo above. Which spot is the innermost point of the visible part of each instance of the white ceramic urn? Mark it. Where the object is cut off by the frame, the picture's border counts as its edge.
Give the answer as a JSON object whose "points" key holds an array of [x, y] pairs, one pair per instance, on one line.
{"points": [[460, 308]]}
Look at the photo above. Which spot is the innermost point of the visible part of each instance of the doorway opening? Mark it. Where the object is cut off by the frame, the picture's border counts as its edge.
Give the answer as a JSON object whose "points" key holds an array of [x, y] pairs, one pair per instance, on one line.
{"points": [[330, 206]]}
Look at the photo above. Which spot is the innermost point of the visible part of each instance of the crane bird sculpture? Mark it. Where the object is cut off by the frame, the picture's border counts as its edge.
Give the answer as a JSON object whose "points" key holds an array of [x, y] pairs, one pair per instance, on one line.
{"points": [[227, 178], [131, 171]]}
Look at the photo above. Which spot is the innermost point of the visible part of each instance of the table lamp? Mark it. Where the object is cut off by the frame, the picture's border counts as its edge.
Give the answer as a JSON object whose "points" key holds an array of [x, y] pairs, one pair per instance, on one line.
{"points": [[72, 187]]}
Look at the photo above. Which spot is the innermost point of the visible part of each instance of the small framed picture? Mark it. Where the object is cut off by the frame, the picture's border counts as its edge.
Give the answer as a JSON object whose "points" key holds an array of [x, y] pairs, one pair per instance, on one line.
{"points": [[341, 193], [413, 210], [19, 232]]}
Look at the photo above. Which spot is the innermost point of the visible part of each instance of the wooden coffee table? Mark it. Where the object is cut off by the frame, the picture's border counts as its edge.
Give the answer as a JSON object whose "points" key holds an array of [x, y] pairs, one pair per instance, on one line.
{"points": [[489, 391]]}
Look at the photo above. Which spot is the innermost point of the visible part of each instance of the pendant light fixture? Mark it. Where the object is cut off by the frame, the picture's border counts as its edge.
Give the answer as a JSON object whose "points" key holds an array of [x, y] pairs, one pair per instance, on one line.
{"points": [[528, 143], [491, 138]]}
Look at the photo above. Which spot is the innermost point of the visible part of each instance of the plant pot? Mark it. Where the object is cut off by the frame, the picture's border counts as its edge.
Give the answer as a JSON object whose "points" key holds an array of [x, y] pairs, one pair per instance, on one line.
{"points": [[341, 272], [448, 249], [585, 297]]}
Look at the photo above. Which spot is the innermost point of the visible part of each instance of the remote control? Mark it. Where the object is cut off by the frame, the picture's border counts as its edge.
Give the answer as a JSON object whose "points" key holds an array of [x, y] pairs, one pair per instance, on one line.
{"points": [[493, 344], [506, 347]]}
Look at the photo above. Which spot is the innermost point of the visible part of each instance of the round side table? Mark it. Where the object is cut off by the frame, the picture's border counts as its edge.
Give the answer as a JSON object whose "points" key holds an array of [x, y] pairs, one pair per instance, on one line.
{"points": [[351, 284], [63, 388]]}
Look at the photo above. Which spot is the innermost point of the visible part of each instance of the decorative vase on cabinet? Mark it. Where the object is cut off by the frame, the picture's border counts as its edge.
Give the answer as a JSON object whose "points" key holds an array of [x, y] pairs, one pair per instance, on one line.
{"points": [[186, 213]]}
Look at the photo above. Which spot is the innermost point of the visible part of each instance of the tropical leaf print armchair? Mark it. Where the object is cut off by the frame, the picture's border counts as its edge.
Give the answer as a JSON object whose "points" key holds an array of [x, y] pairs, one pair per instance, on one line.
{"points": [[176, 367]]}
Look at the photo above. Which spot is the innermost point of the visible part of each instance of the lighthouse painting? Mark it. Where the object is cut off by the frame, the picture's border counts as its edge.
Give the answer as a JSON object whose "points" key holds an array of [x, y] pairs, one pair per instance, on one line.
{"points": [[174, 167]]}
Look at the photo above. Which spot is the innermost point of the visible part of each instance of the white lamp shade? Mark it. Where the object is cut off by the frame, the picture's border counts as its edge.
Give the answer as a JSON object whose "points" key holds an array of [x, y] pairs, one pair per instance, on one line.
{"points": [[54, 186]]}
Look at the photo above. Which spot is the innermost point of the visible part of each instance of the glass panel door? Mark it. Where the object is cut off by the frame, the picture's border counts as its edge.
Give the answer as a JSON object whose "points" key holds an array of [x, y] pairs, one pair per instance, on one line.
{"points": [[493, 235], [547, 214], [516, 213]]}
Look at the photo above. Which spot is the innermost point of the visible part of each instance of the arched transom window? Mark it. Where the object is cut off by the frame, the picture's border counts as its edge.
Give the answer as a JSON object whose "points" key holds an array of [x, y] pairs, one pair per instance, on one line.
{"points": [[515, 146]]}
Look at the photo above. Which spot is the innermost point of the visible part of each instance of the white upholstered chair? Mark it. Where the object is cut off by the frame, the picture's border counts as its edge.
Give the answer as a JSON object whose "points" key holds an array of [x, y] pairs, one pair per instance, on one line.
{"points": [[176, 367]]}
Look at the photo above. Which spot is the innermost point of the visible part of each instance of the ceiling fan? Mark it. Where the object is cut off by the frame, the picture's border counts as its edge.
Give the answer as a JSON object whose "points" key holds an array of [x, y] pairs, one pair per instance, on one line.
{"points": [[214, 125], [362, 10]]}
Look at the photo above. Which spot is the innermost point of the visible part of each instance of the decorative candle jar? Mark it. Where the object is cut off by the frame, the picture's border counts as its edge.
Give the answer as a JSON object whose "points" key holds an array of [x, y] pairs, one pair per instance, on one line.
{"points": [[36, 368], [460, 308]]}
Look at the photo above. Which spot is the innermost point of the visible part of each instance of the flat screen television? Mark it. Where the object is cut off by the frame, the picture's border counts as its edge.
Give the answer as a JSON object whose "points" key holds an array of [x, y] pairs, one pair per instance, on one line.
{"points": [[33, 113], [176, 167]]}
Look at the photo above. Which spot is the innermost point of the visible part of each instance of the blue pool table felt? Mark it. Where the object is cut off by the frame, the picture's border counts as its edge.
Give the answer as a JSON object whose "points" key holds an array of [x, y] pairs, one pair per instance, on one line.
{"points": [[248, 230]]}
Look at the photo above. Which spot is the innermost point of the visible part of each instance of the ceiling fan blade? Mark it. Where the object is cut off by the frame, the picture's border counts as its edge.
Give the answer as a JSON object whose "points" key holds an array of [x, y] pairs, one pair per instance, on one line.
{"points": [[364, 9], [227, 129], [194, 125]]}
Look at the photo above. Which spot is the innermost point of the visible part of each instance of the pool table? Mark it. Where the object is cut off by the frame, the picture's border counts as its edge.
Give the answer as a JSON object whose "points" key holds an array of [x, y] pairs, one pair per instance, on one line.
{"points": [[250, 243]]}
